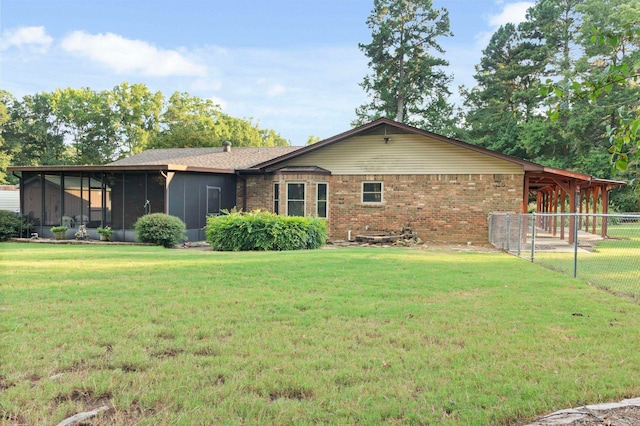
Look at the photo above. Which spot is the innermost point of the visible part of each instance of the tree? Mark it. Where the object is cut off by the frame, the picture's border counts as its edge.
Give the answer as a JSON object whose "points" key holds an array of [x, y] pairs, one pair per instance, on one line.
{"points": [[190, 122], [408, 82], [89, 119], [138, 111], [615, 68], [33, 134], [5, 157]]}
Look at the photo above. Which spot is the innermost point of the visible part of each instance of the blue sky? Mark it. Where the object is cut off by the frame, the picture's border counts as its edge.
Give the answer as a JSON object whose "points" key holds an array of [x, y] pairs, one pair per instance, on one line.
{"points": [[291, 65]]}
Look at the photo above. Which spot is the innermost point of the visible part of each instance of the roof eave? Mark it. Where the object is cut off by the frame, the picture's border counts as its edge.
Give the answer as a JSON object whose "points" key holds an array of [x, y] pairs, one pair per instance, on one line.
{"points": [[109, 168]]}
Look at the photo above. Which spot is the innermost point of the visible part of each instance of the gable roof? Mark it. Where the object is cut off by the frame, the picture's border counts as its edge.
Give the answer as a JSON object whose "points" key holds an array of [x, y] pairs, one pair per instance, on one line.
{"points": [[213, 158], [389, 126]]}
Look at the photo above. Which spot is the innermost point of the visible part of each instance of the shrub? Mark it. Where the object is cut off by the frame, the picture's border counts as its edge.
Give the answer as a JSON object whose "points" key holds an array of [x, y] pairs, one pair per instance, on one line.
{"points": [[262, 230], [12, 225], [60, 228], [160, 229]]}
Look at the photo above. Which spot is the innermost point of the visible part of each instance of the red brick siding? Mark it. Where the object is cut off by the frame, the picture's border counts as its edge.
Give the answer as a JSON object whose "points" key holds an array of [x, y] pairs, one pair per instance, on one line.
{"points": [[439, 208]]}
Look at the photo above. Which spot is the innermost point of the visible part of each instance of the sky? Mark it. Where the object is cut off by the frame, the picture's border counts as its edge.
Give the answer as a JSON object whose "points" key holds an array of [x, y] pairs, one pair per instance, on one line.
{"points": [[290, 65]]}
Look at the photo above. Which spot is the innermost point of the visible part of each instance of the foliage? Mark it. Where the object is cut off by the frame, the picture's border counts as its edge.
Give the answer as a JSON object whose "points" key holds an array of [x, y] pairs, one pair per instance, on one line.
{"points": [[620, 68], [84, 126], [12, 225], [193, 122], [106, 231], [160, 229], [81, 233], [60, 228], [579, 58], [304, 337], [262, 230], [408, 82]]}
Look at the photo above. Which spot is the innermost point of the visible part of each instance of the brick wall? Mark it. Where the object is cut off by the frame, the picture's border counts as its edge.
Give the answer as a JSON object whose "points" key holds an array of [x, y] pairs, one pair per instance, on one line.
{"points": [[439, 208]]}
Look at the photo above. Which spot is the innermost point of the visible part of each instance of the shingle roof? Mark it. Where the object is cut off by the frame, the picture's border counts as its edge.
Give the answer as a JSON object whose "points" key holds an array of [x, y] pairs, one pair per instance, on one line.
{"points": [[214, 158]]}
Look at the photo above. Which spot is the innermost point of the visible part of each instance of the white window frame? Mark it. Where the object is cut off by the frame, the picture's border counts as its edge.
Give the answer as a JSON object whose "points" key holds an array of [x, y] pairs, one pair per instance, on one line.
{"points": [[381, 192], [326, 184], [304, 193]]}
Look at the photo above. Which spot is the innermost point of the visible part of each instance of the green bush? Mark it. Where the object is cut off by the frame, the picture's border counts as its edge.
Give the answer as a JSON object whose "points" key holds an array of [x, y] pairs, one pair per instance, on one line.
{"points": [[11, 225], [262, 230], [160, 229]]}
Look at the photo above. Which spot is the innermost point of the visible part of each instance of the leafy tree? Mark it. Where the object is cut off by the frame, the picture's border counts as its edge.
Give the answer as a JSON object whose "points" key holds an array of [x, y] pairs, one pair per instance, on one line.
{"points": [[138, 111], [89, 120], [408, 82], [5, 157], [190, 122], [610, 83], [82, 126], [313, 139], [33, 134]]}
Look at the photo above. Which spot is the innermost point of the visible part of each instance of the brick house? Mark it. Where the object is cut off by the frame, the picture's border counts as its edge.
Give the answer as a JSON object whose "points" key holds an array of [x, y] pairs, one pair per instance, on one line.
{"points": [[382, 176]]}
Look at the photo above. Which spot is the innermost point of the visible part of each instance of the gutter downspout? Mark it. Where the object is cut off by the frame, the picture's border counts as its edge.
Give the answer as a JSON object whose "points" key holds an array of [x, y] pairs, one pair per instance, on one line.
{"points": [[244, 191]]}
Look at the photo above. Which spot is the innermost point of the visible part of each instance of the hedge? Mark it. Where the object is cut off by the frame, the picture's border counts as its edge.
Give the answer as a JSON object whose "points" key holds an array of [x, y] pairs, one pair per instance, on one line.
{"points": [[12, 225], [160, 229], [262, 230]]}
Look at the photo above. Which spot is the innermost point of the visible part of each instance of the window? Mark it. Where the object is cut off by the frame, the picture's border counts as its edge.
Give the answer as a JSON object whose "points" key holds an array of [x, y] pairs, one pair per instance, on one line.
{"points": [[372, 192], [295, 199], [276, 198], [321, 200], [213, 201]]}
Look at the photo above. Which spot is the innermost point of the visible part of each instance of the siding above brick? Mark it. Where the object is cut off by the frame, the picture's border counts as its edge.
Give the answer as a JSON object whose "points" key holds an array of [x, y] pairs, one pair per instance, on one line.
{"points": [[404, 154]]}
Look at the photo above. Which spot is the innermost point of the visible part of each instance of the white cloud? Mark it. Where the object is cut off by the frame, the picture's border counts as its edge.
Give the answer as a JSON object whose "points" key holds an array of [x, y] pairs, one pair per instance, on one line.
{"points": [[36, 37], [130, 56], [512, 12], [275, 90]]}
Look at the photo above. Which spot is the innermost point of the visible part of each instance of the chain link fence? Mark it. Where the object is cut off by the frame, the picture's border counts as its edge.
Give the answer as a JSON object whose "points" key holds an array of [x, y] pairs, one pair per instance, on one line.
{"points": [[603, 250]]}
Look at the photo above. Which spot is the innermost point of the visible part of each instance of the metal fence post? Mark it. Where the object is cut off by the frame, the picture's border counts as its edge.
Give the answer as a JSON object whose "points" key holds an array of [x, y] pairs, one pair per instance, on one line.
{"points": [[533, 236]]}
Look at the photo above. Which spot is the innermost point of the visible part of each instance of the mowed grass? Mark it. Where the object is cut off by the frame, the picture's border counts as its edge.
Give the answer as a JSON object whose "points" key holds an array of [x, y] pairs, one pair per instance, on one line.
{"points": [[343, 336], [614, 263]]}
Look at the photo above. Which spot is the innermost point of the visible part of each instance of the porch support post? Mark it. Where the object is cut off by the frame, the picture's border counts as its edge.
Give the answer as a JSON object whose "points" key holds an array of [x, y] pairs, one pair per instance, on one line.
{"points": [[572, 211], [525, 194], [43, 198], [563, 199], [554, 206], [581, 196], [539, 208], [587, 197], [595, 209], [605, 210]]}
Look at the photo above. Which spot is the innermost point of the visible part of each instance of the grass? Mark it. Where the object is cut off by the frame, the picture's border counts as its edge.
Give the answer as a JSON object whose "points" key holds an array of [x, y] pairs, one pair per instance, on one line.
{"points": [[346, 336], [614, 264]]}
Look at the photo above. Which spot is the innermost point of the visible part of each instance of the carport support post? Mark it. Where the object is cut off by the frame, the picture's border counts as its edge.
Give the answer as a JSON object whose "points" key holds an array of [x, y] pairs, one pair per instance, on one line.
{"points": [[575, 248], [573, 218]]}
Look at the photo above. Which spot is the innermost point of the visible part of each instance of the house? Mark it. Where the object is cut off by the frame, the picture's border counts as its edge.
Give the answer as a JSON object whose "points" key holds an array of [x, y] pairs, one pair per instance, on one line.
{"points": [[382, 176], [9, 198]]}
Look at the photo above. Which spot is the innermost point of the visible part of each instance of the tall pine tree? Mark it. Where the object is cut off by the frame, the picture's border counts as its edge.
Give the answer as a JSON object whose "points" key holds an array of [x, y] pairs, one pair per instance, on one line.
{"points": [[408, 81]]}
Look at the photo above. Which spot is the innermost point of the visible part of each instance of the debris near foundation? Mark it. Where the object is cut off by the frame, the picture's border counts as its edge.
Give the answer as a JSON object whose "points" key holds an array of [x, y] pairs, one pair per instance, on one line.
{"points": [[406, 237]]}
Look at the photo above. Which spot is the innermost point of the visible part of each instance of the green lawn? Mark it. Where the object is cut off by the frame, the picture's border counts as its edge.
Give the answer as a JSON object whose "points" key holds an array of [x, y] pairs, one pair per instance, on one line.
{"points": [[614, 264], [343, 336]]}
